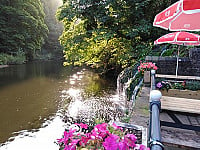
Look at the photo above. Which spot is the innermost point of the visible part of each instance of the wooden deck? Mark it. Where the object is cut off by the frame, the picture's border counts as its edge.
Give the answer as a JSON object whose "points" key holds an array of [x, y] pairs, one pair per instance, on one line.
{"points": [[180, 122], [180, 104], [180, 118]]}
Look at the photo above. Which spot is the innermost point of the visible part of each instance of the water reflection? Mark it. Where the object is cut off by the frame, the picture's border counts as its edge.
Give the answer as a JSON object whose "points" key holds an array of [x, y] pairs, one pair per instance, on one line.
{"points": [[34, 97], [91, 98], [41, 139]]}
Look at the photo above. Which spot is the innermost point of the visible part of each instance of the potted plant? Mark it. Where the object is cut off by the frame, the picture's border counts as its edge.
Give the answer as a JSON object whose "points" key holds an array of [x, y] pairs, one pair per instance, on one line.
{"points": [[102, 137], [184, 89], [163, 85], [145, 68]]}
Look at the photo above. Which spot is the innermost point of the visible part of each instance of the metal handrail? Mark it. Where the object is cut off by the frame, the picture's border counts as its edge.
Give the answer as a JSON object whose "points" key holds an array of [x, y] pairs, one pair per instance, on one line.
{"points": [[154, 124]]}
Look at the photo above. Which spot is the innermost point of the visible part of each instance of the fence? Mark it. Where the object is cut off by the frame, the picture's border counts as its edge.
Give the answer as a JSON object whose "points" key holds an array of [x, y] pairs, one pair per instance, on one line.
{"points": [[154, 124]]}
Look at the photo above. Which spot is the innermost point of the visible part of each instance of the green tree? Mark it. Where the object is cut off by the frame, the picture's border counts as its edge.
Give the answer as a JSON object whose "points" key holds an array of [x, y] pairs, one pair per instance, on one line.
{"points": [[108, 34], [22, 27], [52, 45]]}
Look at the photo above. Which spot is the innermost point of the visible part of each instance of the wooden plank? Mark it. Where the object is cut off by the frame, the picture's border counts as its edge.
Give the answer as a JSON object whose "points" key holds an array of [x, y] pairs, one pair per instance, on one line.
{"points": [[178, 77], [183, 118], [180, 104]]}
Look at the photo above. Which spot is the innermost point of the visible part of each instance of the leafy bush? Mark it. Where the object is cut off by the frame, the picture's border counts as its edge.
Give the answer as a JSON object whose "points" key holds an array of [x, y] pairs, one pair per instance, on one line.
{"points": [[162, 84], [179, 85], [132, 84], [192, 85], [6, 59]]}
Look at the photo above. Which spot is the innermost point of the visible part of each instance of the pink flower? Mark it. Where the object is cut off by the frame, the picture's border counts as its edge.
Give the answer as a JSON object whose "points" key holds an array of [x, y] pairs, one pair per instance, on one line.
{"points": [[130, 140], [111, 142], [159, 85], [100, 136], [101, 127], [70, 147], [142, 147], [100, 130], [82, 125], [66, 136], [117, 127], [123, 146], [147, 66], [75, 141], [155, 67], [84, 140], [132, 137]]}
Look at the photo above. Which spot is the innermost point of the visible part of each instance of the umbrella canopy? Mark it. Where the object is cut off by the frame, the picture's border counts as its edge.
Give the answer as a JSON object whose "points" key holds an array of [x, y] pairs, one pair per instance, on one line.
{"points": [[182, 15], [179, 38]]}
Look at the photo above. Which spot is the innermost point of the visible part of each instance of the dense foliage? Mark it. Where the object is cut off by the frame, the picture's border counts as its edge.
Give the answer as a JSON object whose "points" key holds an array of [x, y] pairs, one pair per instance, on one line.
{"points": [[108, 34], [22, 27], [52, 47]]}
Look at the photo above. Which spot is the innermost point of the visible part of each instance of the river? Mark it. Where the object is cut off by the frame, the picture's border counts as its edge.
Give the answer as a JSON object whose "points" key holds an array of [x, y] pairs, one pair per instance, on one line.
{"points": [[34, 98]]}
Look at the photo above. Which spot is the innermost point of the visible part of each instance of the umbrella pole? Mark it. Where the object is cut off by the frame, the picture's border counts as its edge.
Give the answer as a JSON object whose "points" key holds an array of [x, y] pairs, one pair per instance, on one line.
{"points": [[177, 61]]}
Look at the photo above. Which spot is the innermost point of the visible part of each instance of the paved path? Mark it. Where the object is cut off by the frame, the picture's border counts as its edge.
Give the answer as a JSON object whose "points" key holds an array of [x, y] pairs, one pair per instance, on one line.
{"points": [[140, 114]]}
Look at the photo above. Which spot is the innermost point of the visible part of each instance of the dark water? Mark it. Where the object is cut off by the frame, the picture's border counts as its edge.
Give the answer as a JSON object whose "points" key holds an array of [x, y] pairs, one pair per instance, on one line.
{"points": [[33, 98]]}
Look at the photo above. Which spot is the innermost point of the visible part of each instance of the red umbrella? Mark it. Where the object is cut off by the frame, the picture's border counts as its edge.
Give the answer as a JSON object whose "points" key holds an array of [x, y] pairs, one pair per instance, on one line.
{"points": [[179, 38], [182, 15]]}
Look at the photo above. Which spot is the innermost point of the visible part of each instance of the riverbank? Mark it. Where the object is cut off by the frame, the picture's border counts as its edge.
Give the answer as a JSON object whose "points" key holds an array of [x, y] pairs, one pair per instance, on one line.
{"points": [[3, 66]]}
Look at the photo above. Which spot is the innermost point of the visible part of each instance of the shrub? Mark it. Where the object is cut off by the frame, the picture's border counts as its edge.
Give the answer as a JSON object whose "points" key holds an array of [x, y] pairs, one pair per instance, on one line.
{"points": [[6, 59], [192, 85]]}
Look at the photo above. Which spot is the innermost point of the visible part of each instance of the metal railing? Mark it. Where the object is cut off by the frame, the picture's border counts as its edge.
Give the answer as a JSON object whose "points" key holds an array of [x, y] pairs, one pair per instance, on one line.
{"points": [[154, 122]]}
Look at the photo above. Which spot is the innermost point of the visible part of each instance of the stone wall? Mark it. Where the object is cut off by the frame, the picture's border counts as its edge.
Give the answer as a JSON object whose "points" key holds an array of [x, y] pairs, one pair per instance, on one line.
{"points": [[187, 66]]}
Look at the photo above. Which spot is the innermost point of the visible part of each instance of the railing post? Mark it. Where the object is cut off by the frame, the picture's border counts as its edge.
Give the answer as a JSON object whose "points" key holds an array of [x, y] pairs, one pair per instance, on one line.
{"points": [[155, 106], [153, 81]]}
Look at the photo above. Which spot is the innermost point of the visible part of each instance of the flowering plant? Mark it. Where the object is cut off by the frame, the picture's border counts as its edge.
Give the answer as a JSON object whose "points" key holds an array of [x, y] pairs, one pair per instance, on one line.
{"points": [[161, 85], [101, 137], [146, 66]]}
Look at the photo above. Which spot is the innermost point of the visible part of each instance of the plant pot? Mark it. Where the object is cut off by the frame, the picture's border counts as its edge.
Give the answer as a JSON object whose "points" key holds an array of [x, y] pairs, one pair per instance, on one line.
{"points": [[147, 77], [181, 93]]}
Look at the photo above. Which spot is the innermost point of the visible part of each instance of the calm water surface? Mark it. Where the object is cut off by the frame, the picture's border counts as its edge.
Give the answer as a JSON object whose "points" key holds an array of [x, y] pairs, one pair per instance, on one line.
{"points": [[33, 98]]}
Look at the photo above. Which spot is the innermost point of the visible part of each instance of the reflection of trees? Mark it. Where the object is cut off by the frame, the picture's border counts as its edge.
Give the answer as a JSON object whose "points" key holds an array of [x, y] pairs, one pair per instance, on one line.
{"points": [[19, 73], [93, 85], [94, 99]]}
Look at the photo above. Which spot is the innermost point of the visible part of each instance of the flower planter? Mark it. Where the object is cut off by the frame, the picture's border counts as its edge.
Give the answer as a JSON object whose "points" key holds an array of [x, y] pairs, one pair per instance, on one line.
{"points": [[103, 136], [145, 68], [181, 93], [147, 76]]}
